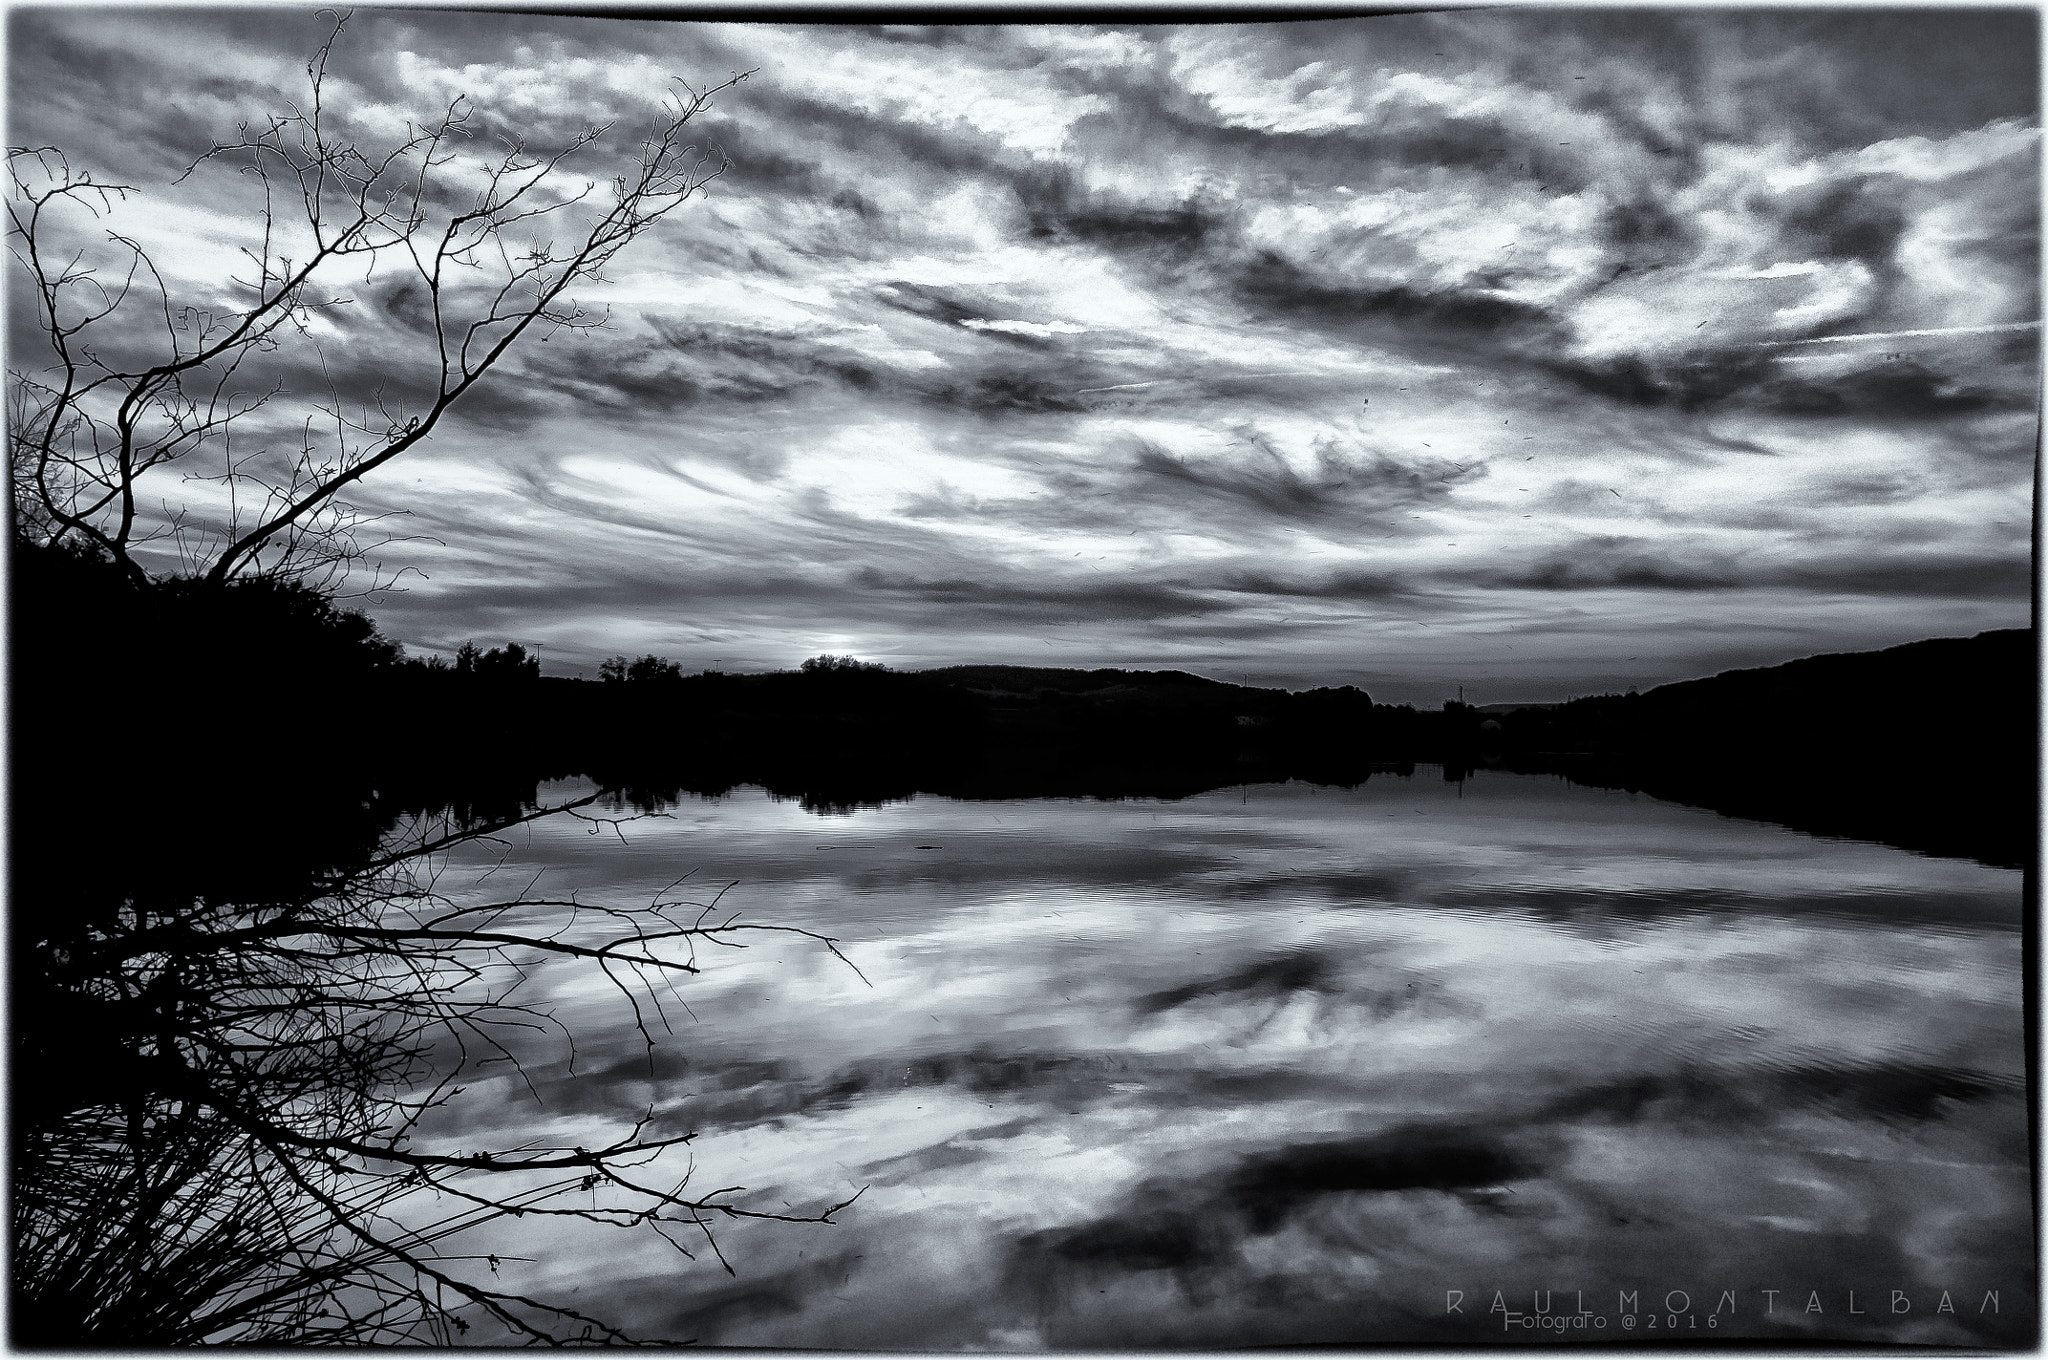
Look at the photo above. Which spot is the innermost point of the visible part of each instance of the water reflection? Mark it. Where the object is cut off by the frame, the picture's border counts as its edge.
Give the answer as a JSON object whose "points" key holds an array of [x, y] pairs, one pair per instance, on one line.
{"points": [[1294, 1064]]}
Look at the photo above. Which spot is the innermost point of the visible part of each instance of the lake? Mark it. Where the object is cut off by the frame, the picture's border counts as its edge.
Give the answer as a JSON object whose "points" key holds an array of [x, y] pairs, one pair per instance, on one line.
{"points": [[1418, 1061]]}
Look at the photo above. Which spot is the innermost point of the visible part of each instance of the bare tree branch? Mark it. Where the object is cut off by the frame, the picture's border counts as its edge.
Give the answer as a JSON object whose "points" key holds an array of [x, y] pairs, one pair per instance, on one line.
{"points": [[474, 235]]}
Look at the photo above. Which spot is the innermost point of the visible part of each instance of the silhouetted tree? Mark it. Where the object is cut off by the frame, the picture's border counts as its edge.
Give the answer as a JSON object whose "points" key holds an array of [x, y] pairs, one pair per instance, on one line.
{"points": [[648, 669], [653, 669], [509, 662], [829, 664], [106, 420]]}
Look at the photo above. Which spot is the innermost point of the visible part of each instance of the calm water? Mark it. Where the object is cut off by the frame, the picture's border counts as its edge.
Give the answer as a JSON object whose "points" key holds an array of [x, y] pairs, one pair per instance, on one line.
{"points": [[1295, 1064]]}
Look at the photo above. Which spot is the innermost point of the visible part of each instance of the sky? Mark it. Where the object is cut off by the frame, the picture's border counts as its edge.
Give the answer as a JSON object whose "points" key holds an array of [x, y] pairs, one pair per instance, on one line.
{"points": [[1531, 350]]}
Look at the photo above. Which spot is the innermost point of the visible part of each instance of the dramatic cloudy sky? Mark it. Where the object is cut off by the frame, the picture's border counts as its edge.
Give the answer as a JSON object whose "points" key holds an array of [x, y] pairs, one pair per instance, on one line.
{"points": [[1537, 350]]}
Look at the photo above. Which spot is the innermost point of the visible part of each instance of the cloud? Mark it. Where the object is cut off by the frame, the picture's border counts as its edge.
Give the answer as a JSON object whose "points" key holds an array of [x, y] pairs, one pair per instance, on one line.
{"points": [[1035, 329], [1044, 600], [1337, 585], [1253, 320], [1275, 978], [1626, 563], [1206, 1227], [1279, 287], [1924, 575], [1006, 390], [1338, 481], [1780, 270], [1618, 563], [1060, 209]]}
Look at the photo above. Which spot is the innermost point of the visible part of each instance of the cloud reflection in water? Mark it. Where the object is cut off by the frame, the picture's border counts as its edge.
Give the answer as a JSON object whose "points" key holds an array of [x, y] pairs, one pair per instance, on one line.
{"points": [[1286, 1064]]}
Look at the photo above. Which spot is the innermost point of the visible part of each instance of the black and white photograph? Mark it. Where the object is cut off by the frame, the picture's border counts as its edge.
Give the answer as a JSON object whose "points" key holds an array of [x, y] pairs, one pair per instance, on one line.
{"points": [[1084, 680]]}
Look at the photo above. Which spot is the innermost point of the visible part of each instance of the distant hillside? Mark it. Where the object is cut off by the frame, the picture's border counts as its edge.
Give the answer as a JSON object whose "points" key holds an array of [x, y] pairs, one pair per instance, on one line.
{"points": [[1967, 674], [1926, 697], [1929, 745]]}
